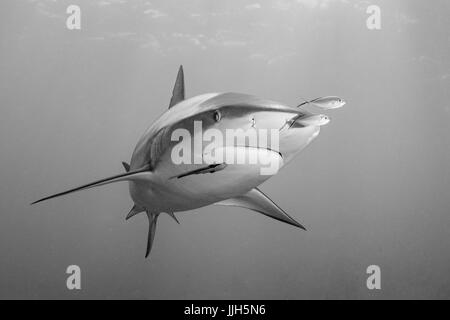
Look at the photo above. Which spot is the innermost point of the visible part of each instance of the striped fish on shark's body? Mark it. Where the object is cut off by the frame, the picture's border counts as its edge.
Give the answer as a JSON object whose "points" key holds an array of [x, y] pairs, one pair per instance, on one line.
{"points": [[158, 185]]}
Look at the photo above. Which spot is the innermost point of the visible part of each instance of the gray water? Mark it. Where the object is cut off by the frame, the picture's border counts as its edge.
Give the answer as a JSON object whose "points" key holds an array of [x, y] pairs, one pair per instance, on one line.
{"points": [[373, 188]]}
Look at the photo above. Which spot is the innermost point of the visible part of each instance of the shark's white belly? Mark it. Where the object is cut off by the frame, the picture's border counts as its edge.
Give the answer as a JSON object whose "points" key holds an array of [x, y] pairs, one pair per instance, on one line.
{"points": [[165, 192]]}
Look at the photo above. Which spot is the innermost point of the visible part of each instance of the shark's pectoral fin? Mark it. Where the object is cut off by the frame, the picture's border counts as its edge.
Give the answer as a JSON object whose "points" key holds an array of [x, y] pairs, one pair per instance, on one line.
{"points": [[257, 201], [178, 89], [134, 211], [208, 169], [152, 219], [136, 175]]}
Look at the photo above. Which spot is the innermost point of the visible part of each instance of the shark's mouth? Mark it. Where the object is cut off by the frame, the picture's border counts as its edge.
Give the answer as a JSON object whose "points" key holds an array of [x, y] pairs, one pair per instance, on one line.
{"points": [[221, 157], [238, 148], [260, 148]]}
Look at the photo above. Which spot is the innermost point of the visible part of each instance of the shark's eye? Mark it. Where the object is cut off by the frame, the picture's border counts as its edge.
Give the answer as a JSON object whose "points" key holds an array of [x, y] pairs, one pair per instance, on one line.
{"points": [[217, 116]]}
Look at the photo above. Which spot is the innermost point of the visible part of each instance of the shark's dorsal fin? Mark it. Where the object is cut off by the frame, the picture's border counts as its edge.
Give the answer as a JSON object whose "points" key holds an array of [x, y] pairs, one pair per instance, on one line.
{"points": [[257, 201], [178, 89]]}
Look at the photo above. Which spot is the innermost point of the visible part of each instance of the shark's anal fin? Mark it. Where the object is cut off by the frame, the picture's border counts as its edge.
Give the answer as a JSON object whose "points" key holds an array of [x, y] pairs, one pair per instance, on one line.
{"points": [[178, 89], [152, 219], [257, 201], [209, 169]]}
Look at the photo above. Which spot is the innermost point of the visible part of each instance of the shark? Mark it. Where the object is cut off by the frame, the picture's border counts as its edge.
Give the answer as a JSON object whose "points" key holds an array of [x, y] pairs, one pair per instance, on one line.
{"points": [[158, 184]]}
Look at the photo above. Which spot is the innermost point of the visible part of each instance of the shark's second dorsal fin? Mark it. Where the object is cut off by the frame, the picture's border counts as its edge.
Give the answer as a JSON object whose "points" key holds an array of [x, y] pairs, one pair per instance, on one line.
{"points": [[178, 89], [257, 201]]}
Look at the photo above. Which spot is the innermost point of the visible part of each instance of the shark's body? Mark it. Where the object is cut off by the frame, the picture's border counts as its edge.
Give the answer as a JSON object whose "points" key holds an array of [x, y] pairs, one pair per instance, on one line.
{"points": [[199, 190], [157, 184]]}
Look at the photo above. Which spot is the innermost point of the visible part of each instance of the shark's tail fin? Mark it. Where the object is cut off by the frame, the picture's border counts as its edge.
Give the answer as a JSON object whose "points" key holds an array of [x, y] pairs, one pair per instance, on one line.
{"points": [[152, 219], [128, 176]]}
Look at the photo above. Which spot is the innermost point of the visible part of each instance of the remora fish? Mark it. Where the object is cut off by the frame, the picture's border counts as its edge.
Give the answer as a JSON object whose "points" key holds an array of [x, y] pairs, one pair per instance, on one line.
{"points": [[157, 184]]}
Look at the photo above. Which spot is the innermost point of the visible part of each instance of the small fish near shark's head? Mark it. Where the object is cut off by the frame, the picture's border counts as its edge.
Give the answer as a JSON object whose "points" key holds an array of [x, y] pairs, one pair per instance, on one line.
{"points": [[318, 120], [242, 111], [240, 120], [329, 103]]}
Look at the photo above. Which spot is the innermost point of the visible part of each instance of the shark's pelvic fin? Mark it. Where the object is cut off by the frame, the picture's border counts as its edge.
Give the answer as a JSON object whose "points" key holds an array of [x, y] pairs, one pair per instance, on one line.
{"points": [[126, 166], [173, 217], [257, 201], [135, 175], [134, 211], [152, 219], [209, 169], [178, 89]]}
